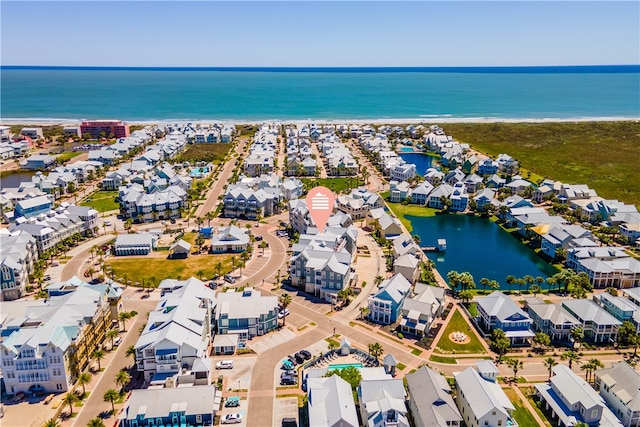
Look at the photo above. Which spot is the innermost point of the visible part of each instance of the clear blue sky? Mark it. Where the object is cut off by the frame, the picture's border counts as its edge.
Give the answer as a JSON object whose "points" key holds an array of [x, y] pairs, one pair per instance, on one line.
{"points": [[308, 34]]}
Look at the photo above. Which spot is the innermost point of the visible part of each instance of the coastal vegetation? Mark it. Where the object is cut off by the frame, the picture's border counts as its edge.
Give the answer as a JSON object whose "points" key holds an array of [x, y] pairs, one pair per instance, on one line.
{"points": [[602, 155], [209, 153]]}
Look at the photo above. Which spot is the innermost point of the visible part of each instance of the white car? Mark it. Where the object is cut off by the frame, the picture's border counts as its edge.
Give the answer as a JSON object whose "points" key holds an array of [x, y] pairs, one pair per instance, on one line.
{"points": [[231, 419], [224, 364], [284, 313], [107, 223], [117, 341]]}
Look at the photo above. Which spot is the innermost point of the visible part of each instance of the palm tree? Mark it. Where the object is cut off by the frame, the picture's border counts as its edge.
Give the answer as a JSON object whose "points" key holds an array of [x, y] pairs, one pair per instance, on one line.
{"points": [[528, 280], [51, 422], [577, 335], [99, 354], [494, 285], [112, 334], [484, 282], [364, 310], [510, 279], [111, 396], [549, 363], [69, 399], [375, 349], [595, 365], [588, 369], [516, 365], [83, 379], [285, 299], [219, 268], [123, 316], [122, 379], [96, 422], [209, 216], [571, 356], [378, 280]]}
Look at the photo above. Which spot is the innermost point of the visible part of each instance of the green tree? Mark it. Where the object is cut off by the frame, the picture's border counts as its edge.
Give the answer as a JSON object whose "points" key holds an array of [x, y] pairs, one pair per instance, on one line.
{"points": [[364, 311], [112, 334], [284, 300], [131, 351], [542, 341], [577, 336], [549, 363], [83, 379], [122, 378], [376, 350], [99, 354], [465, 295], [350, 374], [515, 365], [378, 280], [494, 285], [571, 356], [70, 399], [627, 334], [96, 422], [484, 282], [499, 343], [535, 289], [111, 396], [51, 422]]}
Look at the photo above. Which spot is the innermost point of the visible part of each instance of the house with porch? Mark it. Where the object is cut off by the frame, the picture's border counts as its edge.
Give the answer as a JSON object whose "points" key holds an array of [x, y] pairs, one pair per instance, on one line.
{"points": [[553, 320], [385, 304], [619, 386], [598, 325], [247, 313], [498, 311], [430, 399], [418, 311]]}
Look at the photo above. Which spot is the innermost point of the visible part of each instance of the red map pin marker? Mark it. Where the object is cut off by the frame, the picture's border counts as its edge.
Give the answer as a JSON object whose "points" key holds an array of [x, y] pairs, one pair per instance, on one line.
{"points": [[320, 201]]}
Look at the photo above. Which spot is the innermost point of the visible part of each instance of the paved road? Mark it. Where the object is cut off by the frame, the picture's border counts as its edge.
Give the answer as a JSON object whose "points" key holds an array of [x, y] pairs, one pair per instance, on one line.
{"points": [[80, 254]]}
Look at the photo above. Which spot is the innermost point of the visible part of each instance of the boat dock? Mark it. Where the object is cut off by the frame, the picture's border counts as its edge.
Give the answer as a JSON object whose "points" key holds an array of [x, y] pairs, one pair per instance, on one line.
{"points": [[440, 247]]}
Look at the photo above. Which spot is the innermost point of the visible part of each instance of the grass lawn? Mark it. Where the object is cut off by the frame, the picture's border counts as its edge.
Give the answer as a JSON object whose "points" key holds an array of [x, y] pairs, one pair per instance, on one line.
{"points": [[529, 392], [138, 268], [337, 185], [401, 211], [190, 237], [473, 309], [214, 153], [602, 155], [102, 201], [443, 359], [458, 323], [522, 415], [64, 157]]}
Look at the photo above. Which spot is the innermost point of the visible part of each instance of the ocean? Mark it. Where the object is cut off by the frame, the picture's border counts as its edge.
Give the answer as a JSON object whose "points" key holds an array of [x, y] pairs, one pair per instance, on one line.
{"points": [[422, 94]]}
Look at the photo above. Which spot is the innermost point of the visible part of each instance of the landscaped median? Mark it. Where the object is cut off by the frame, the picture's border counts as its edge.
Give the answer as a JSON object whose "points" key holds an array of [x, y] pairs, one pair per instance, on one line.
{"points": [[459, 324]]}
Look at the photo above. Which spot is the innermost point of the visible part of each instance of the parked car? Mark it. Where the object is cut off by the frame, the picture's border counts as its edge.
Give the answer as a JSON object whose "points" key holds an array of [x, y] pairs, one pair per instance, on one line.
{"points": [[229, 279], [232, 419], [213, 285], [306, 354], [107, 223], [47, 278], [172, 221], [283, 313], [232, 402], [293, 360], [288, 380], [117, 341], [289, 422], [299, 358], [258, 238], [224, 364], [288, 373]]}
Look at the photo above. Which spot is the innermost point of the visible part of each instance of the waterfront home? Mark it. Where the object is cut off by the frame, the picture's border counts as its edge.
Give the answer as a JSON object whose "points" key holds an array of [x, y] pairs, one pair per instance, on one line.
{"points": [[385, 304], [473, 183], [134, 244], [553, 320], [425, 304], [488, 167], [526, 218], [605, 265], [177, 336], [48, 342], [403, 245], [18, 254], [434, 176], [598, 325], [454, 176], [229, 239], [631, 232], [34, 206], [246, 313], [484, 199], [441, 192], [507, 164], [481, 401], [496, 181], [382, 402], [171, 406], [570, 399], [619, 386], [619, 307], [562, 236], [430, 399], [398, 191], [358, 203], [498, 311], [330, 402], [420, 194], [459, 198], [408, 265], [389, 226], [38, 162], [403, 172]]}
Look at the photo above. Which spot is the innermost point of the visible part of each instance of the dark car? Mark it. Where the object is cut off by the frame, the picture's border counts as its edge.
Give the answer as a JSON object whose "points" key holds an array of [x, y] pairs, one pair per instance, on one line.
{"points": [[289, 422], [306, 354], [172, 221], [288, 381], [299, 358], [258, 238], [289, 373], [292, 360]]}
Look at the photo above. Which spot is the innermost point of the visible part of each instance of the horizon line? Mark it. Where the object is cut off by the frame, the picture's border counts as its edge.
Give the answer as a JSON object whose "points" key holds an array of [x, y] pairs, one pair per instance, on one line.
{"points": [[464, 68]]}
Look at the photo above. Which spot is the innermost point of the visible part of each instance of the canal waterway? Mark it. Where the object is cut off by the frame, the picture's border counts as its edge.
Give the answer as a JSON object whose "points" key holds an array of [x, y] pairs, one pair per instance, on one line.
{"points": [[480, 247], [13, 179], [421, 160]]}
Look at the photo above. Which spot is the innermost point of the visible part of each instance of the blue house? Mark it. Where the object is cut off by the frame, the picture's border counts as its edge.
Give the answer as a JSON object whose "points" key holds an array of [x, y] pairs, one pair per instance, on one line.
{"points": [[385, 305], [33, 206], [498, 311], [170, 407]]}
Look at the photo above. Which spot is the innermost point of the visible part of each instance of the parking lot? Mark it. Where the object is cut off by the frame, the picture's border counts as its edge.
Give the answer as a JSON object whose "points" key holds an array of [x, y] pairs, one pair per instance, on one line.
{"points": [[285, 407], [241, 409], [238, 378]]}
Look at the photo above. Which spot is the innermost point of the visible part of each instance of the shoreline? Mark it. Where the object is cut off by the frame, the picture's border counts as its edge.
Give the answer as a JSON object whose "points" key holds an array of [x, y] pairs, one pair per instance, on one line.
{"points": [[44, 121]]}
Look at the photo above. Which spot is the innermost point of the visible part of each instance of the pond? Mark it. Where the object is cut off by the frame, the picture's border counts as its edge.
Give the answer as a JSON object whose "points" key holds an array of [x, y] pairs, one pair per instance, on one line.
{"points": [[421, 160], [480, 247], [13, 179]]}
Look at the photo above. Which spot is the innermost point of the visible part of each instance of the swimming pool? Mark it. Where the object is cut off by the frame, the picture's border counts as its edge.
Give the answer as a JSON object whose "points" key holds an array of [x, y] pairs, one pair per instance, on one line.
{"points": [[345, 365], [198, 172], [406, 149]]}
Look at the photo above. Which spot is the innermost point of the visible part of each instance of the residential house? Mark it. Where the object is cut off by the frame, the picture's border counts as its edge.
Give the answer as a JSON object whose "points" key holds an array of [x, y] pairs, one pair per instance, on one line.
{"points": [[244, 202], [389, 226], [459, 198], [434, 176], [498, 311], [606, 266], [570, 399], [33, 207], [420, 194], [496, 181], [330, 403], [619, 386], [385, 304], [484, 199], [488, 167], [38, 162], [403, 172], [408, 265], [358, 203], [398, 191], [473, 183], [246, 313], [425, 304], [553, 320], [619, 307], [403, 245], [480, 400], [430, 399], [562, 236], [598, 325], [134, 244], [542, 193], [193, 406], [507, 164], [631, 232], [438, 195], [103, 128], [382, 403], [470, 164], [18, 254], [229, 239]]}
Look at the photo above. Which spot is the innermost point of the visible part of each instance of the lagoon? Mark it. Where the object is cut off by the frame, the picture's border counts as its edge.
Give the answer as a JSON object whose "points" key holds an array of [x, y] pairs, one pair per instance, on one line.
{"points": [[421, 160], [480, 247], [13, 179]]}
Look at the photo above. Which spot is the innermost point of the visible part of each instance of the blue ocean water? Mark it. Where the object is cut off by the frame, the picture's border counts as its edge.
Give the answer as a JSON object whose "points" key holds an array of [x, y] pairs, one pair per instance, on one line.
{"points": [[289, 94]]}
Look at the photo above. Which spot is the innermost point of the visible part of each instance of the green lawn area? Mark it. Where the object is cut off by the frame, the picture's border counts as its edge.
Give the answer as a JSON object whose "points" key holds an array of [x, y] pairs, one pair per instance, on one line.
{"points": [[458, 323], [337, 185], [214, 153], [141, 267], [522, 415], [64, 157], [529, 392], [603, 155], [473, 309], [443, 359], [190, 238], [102, 201], [401, 211]]}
